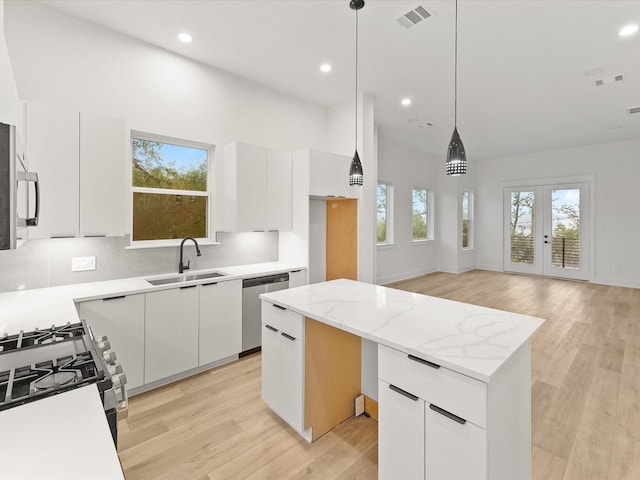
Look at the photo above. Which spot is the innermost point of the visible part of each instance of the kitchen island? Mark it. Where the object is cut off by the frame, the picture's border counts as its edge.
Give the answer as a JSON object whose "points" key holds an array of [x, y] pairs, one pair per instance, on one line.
{"points": [[454, 380]]}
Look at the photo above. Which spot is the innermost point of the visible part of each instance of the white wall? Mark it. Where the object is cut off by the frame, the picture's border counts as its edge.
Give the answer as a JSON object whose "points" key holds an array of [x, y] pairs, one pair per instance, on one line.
{"points": [[406, 169], [65, 61], [10, 105], [616, 168]]}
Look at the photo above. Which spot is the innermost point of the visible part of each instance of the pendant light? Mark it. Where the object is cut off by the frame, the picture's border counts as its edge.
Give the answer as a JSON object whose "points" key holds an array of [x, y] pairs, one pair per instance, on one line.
{"points": [[456, 156], [356, 176]]}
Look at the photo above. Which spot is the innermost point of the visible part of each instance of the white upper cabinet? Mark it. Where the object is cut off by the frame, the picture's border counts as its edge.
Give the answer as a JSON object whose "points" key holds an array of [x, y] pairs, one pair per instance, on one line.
{"points": [[329, 175], [279, 212], [80, 159], [103, 187], [257, 188], [52, 152]]}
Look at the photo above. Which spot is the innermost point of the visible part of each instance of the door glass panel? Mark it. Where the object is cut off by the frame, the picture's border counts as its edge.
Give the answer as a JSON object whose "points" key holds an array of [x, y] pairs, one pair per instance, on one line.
{"points": [[565, 227], [522, 227]]}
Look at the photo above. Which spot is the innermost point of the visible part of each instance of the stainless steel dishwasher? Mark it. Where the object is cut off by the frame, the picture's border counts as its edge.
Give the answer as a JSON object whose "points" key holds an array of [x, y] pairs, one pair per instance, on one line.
{"points": [[251, 311]]}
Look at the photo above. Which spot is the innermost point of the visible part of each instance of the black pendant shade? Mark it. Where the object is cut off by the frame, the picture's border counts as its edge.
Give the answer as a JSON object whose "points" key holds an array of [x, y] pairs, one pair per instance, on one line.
{"points": [[355, 172], [356, 175], [456, 156]]}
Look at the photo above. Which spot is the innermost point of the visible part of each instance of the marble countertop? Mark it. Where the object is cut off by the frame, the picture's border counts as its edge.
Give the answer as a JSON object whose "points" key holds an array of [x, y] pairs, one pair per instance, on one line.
{"points": [[472, 340], [43, 307], [64, 436]]}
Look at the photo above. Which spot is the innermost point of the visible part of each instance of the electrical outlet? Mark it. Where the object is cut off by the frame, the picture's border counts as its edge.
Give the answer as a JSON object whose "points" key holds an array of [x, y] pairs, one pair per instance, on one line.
{"points": [[359, 404], [83, 264]]}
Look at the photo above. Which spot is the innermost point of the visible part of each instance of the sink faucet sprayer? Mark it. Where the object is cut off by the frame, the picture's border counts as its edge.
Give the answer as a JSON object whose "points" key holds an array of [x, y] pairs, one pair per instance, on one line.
{"points": [[181, 266]]}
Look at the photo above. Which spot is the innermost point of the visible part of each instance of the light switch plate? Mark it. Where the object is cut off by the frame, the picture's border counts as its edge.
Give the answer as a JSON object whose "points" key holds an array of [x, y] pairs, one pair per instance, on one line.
{"points": [[83, 264]]}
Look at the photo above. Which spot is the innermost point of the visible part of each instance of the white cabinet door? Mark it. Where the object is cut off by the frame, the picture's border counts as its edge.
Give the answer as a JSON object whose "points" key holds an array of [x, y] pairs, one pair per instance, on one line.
{"points": [[454, 450], [245, 173], [51, 148], [121, 319], [401, 444], [283, 363], [220, 320], [329, 175], [297, 278], [291, 380], [271, 366], [103, 187], [279, 209], [171, 332]]}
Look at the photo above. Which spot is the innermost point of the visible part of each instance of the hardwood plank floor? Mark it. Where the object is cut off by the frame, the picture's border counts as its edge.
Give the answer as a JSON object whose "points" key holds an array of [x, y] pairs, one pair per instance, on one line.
{"points": [[585, 397]]}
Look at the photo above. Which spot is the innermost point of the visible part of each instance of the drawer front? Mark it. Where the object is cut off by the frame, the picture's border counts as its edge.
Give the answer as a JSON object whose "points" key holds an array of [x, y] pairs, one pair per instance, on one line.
{"points": [[463, 396], [282, 319]]}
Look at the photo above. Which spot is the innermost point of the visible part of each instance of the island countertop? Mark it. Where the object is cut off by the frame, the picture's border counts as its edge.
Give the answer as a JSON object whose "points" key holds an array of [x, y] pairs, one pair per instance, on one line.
{"points": [[469, 339]]}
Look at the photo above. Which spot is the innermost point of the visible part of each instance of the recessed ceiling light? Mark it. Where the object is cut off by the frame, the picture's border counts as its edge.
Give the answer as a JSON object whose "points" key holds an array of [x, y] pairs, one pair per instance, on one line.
{"points": [[184, 37], [325, 68], [629, 30], [406, 101]]}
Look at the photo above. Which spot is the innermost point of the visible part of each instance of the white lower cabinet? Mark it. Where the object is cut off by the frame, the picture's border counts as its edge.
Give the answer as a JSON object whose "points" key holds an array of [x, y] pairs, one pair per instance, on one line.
{"points": [[297, 278], [400, 434], [171, 332], [418, 439], [121, 319], [283, 363], [220, 321], [454, 448]]}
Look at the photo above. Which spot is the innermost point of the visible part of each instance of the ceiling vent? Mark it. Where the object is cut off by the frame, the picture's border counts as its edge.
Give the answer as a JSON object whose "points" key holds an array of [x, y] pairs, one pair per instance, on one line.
{"points": [[632, 110], [413, 16], [608, 80]]}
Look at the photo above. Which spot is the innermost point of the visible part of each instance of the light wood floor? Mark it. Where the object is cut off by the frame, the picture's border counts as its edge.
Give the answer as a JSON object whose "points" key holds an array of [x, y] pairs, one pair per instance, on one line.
{"points": [[585, 397]]}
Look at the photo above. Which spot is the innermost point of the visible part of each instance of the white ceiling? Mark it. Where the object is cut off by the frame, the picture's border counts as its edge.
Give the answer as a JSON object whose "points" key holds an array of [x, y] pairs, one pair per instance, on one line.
{"points": [[522, 82]]}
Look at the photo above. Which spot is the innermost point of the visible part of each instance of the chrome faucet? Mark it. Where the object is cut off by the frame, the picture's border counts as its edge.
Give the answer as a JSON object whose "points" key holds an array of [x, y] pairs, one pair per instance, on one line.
{"points": [[181, 266]]}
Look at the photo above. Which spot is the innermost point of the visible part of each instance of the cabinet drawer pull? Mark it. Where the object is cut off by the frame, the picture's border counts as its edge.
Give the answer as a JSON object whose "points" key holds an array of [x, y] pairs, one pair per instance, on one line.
{"points": [[189, 286], [271, 328], [450, 415], [423, 361], [295, 271], [403, 392], [278, 307], [114, 298], [207, 284], [287, 336]]}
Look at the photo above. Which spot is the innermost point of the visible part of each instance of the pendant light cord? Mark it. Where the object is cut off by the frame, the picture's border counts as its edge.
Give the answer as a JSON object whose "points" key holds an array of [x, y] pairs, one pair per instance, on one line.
{"points": [[356, 96], [455, 81]]}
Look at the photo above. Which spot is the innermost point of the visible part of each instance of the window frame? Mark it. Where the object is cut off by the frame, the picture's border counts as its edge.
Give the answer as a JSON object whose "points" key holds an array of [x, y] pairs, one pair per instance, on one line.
{"points": [[389, 214], [430, 216], [470, 220], [209, 193]]}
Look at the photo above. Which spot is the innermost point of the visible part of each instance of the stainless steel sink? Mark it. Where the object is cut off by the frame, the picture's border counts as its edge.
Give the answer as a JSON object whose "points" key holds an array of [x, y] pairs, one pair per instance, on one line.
{"points": [[184, 278]]}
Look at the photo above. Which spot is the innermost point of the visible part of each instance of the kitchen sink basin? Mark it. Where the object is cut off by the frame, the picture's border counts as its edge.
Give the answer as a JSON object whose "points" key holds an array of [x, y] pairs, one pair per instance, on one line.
{"points": [[184, 278]]}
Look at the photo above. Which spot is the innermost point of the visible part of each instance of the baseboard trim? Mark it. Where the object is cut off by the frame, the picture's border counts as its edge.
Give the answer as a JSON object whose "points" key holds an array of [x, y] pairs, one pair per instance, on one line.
{"points": [[405, 276]]}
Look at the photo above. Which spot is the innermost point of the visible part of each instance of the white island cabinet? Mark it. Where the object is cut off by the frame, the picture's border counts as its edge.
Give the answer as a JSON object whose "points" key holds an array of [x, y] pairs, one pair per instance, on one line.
{"points": [[454, 380]]}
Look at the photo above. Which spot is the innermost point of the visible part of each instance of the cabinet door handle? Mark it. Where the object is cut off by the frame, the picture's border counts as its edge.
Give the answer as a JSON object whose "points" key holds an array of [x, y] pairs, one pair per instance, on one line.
{"points": [[423, 361], [271, 328], [207, 284], [189, 286], [403, 392], [113, 298], [287, 336], [295, 271], [450, 415], [278, 306]]}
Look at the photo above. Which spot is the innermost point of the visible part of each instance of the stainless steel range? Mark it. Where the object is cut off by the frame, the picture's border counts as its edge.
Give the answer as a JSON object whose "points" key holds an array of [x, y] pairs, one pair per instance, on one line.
{"points": [[37, 364]]}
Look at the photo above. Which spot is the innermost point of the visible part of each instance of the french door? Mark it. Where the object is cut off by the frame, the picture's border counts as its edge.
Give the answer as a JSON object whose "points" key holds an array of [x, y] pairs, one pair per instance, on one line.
{"points": [[546, 230]]}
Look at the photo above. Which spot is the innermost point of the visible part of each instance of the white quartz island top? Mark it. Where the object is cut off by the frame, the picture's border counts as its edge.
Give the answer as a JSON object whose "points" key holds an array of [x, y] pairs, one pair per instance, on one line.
{"points": [[469, 339], [64, 436]]}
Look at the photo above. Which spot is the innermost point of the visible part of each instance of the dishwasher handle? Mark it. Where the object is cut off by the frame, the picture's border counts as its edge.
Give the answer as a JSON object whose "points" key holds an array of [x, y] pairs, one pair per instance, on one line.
{"points": [[266, 280]]}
